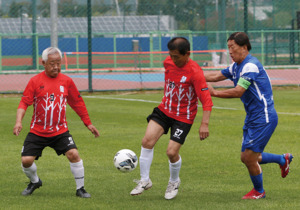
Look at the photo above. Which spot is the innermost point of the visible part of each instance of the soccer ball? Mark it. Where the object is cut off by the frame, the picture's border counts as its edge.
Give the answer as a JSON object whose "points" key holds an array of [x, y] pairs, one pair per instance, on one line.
{"points": [[125, 160]]}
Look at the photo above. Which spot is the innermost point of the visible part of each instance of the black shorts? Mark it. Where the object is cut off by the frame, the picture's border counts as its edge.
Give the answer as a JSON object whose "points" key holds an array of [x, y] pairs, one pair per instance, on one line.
{"points": [[34, 144], [179, 130]]}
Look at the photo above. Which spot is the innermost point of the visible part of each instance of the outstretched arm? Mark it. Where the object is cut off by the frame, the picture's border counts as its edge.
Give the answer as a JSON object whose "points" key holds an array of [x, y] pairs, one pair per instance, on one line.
{"points": [[214, 76], [236, 92], [18, 126]]}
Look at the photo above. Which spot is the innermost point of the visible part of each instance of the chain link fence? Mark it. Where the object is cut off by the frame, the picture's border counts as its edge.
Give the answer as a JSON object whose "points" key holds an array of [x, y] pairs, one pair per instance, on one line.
{"points": [[129, 39]]}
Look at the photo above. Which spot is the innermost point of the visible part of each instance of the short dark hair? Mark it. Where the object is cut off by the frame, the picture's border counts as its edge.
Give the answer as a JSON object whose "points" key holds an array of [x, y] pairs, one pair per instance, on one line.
{"points": [[241, 39], [179, 43]]}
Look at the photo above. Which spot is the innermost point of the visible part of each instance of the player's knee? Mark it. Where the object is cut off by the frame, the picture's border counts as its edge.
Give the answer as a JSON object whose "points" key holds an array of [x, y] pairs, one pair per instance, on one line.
{"points": [[27, 161], [248, 161], [73, 155], [172, 154], [147, 143], [244, 158]]}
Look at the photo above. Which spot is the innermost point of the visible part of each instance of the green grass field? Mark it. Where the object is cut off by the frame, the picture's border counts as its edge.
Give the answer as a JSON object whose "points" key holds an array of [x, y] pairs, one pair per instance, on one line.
{"points": [[212, 174]]}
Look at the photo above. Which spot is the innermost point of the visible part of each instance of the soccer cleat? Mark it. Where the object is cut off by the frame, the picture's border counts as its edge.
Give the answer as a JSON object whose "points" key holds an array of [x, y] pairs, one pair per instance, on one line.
{"points": [[31, 187], [285, 169], [82, 193], [253, 194], [141, 186], [172, 190]]}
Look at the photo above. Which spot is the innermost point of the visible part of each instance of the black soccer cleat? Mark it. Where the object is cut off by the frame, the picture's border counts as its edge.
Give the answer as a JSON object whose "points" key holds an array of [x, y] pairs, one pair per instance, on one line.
{"points": [[31, 187], [82, 193]]}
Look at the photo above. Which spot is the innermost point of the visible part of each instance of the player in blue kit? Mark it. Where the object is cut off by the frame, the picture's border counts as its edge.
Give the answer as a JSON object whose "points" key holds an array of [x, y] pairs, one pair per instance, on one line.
{"points": [[252, 85]]}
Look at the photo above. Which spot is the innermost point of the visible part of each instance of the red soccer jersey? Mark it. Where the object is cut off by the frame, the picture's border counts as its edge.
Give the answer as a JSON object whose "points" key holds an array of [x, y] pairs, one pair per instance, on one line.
{"points": [[183, 87], [49, 97]]}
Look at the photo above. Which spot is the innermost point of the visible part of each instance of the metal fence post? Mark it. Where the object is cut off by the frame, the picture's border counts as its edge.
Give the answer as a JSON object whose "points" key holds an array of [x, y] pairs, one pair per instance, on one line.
{"points": [[159, 47], [53, 11], [37, 52], [262, 48], [89, 20], [151, 50], [135, 50], [246, 16], [115, 51], [77, 51], [34, 34], [192, 44]]}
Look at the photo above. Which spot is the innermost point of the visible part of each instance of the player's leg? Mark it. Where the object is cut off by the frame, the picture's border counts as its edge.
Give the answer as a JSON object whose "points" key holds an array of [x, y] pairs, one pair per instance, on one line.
{"points": [[174, 160], [76, 166], [255, 138], [77, 169], [250, 159], [174, 168], [179, 131], [64, 144], [31, 150], [271, 158], [283, 160], [153, 132], [29, 168]]}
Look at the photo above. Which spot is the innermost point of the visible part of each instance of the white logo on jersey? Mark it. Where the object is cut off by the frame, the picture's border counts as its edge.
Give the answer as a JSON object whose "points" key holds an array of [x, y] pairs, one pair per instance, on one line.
{"points": [[61, 88], [183, 79]]}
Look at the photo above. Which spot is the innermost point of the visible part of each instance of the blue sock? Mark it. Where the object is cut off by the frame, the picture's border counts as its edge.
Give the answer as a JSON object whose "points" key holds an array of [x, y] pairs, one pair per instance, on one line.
{"points": [[272, 158], [257, 183]]}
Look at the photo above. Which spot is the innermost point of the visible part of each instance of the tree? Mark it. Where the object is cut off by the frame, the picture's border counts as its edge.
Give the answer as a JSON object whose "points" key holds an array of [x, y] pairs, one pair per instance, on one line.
{"points": [[16, 9], [44, 8]]}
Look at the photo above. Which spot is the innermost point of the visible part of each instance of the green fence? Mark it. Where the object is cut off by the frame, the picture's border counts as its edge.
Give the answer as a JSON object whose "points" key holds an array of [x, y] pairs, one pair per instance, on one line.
{"points": [[274, 48], [136, 33]]}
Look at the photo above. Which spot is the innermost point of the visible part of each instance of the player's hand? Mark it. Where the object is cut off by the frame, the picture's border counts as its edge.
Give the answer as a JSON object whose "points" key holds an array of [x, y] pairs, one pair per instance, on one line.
{"points": [[203, 131], [17, 129], [94, 130]]}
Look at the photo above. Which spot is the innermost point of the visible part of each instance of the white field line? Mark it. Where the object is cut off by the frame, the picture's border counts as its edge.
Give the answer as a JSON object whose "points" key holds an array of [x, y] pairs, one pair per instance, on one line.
{"points": [[158, 102]]}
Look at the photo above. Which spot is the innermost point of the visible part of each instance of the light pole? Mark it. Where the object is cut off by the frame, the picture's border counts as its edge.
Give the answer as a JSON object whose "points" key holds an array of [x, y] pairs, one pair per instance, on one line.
{"points": [[53, 14], [34, 50], [21, 17]]}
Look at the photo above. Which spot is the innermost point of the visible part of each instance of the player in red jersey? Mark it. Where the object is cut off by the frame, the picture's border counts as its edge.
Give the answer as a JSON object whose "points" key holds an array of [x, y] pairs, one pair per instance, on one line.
{"points": [[184, 85], [49, 92]]}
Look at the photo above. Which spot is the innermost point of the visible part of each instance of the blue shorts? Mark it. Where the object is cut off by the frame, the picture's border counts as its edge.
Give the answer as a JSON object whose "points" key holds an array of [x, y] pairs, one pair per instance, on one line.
{"points": [[256, 137]]}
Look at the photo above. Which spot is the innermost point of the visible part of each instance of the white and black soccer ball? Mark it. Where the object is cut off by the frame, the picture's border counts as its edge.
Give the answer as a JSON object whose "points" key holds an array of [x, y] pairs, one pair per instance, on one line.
{"points": [[125, 160]]}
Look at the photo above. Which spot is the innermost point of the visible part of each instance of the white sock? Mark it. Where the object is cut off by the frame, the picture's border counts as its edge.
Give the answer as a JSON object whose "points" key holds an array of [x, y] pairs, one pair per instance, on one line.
{"points": [[145, 163], [77, 170], [174, 170], [31, 173]]}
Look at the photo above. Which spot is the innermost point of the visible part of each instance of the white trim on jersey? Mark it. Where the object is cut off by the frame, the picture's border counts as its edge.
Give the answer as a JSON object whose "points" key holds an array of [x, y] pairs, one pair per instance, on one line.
{"points": [[261, 97], [35, 111], [231, 68], [249, 67]]}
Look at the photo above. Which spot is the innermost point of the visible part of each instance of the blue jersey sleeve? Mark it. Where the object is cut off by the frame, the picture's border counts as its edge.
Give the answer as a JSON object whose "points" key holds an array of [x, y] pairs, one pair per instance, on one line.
{"points": [[228, 72]]}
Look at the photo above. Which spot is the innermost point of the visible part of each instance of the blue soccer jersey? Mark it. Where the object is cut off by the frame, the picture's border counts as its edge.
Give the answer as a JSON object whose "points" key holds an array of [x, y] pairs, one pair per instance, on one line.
{"points": [[258, 98]]}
